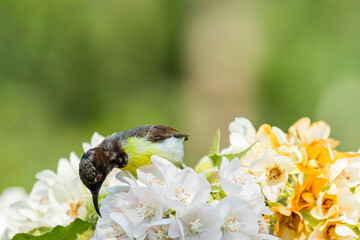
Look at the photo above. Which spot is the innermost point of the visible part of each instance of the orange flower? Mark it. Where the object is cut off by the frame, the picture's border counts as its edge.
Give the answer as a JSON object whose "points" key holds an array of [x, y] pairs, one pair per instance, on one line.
{"points": [[290, 224], [305, 195], [316, 158]]}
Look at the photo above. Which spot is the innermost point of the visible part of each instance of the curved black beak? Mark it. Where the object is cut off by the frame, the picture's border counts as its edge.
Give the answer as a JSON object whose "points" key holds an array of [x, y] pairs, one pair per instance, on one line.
{"points": [[95, 195]]}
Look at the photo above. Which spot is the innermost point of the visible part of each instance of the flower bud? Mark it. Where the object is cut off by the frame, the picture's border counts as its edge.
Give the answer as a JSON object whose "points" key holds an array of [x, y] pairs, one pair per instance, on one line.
{"points": [[204, 163], [211, 174]]}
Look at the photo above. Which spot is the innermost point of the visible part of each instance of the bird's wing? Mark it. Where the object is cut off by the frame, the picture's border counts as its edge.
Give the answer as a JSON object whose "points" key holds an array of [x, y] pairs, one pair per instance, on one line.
{"points": [[153, 133]]}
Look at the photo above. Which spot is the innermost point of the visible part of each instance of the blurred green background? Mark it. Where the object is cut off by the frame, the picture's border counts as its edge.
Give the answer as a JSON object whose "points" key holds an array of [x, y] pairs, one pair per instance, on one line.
{"points": [[69, 68]]}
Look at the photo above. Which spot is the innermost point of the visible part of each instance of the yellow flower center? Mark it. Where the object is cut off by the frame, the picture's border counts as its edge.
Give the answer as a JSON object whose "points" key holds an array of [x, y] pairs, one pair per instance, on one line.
{"points": [[117, 232], [144, 211], [162, 234], [293, 222], [327, 202], [346, 175], [274, 174], [238, 180], [231, 225], [263, 226], [183, 196], [196, 225], [331, 235], [313, 163], [326, 205], [289, 222], [74, 208], [156, 181]]}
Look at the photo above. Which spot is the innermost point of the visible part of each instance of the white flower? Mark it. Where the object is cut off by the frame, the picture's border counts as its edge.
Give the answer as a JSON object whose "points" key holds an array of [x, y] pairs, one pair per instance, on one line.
{"points": [[349, 206], [178, 190], [107, 228], [157, 174], [242, 135], [142, 209], [134, 214], [357, 194], [68, 192], [164, 229], [113, 224], [272, 170], [23, 217], [186, 189], [345, 172], [37, 209], [8, 197], [235, 180], [307, 132], [237, 220], [59, 196], [55, 199], [264, 227], [200, 222]]}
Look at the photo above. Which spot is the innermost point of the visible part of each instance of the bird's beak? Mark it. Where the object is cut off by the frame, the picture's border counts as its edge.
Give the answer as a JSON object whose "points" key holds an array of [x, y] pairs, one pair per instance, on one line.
{"points": [[95, 195]]}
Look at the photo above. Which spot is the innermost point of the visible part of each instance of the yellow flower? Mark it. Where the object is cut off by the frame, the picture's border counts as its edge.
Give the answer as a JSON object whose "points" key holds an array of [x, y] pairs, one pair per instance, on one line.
{"points": [[316, 158], [305, 195], [332, 229], [290, 224]]}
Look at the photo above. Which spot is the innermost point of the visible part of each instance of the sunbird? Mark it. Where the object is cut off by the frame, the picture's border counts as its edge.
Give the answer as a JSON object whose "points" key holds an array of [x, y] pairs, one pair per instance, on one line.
{"points": [[129, 150]]}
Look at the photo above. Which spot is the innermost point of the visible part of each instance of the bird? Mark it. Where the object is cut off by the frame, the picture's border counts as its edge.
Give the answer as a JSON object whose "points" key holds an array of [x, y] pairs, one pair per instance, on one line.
{"points": [[129, 150]]}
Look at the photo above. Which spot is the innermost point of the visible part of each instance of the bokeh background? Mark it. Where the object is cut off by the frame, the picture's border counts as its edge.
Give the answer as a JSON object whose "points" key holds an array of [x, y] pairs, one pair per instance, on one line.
{"points": [[69, 68]]}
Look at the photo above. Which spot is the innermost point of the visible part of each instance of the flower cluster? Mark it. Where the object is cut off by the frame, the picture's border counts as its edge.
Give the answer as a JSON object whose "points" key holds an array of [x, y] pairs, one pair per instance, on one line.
{"points": [[314, 190], [56, 198], [167, 203], [267, 184]]}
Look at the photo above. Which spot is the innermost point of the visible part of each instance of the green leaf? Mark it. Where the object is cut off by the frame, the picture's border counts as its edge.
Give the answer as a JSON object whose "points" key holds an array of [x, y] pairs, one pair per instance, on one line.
{"points": [[215, 147], [69, 232], [218, 158], [40, 231]]}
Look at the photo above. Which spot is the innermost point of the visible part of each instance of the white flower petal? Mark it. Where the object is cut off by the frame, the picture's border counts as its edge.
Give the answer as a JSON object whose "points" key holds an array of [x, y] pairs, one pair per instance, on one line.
{"points": [[344, 231], [318, 130], [280, 136], [120, 219], [337, 167]]}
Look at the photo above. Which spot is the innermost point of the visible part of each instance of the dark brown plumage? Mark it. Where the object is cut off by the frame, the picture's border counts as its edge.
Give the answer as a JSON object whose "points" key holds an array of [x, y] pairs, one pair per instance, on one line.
{"points": [[153, 133]]}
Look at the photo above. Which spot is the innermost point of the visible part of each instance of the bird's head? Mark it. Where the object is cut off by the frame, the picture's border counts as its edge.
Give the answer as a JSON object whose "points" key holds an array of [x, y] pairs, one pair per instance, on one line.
{"points": [[93, 171]]}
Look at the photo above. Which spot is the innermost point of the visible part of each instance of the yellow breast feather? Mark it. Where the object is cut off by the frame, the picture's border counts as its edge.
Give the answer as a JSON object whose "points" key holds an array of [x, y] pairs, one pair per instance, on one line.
{"points": [[139, 151]]}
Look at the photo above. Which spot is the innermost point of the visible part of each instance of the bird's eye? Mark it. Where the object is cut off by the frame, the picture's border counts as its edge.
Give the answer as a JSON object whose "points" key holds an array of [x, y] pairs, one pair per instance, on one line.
{"points": [[98, 178]]}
